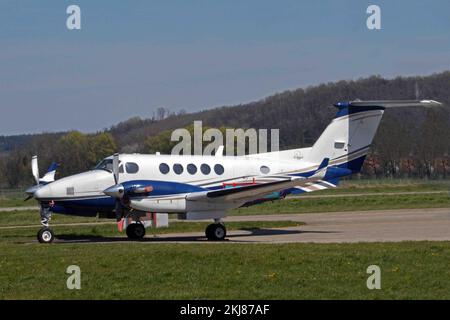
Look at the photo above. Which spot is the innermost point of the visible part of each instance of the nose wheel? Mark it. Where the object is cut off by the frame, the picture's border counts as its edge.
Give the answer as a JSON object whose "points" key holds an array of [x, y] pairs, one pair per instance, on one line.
{"points": [[216, 232], [45, 235]]}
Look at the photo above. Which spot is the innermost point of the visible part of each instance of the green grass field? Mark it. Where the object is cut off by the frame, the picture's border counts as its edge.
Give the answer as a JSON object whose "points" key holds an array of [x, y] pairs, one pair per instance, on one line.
{"points": [[146, 270], [409, 270], [366, 202], [17, 202]]}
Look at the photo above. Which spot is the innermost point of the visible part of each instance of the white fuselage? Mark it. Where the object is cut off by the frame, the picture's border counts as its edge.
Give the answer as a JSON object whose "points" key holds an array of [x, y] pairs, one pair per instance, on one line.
{"points": [[235, 170]]}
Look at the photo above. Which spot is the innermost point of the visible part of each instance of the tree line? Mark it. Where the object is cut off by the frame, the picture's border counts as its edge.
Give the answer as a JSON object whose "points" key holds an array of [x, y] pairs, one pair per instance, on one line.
{"points": [[74, 152]]}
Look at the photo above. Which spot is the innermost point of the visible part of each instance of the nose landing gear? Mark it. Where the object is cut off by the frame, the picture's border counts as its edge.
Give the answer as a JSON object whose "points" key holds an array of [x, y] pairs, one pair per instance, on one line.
{"points": [[45, 234]]}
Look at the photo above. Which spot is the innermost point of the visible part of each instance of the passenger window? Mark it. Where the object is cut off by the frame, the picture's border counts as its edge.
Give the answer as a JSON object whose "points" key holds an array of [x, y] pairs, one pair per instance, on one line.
{"points": [[178, 168], [218, 169], [205, 169], [121, 169], [131, 167], [264, 169], [191, 168], [164, 168]]}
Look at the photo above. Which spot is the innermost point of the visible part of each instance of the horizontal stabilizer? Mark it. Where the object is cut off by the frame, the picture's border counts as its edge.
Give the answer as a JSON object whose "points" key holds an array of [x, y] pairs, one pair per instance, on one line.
{"points": [[389, 103]]}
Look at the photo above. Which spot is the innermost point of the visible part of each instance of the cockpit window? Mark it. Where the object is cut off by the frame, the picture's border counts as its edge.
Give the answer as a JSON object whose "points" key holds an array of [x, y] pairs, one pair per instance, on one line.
{"points": [[131, 167], [105, 164]]}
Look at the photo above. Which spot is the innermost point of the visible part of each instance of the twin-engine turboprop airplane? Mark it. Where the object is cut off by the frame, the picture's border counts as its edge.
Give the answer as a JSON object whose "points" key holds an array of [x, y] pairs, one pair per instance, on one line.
{"points": [[128, 186]]}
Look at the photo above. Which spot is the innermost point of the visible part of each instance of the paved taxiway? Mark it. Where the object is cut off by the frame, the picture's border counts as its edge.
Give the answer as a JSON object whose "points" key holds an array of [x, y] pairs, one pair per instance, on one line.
{"points": [[362, 226], [340, 227], [336, 227]]}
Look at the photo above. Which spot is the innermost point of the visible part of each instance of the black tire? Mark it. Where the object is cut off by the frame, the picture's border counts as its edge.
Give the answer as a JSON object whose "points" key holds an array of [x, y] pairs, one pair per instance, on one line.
{"points": [[208, 231], [136, 231], [216, 232], [45, 235]]}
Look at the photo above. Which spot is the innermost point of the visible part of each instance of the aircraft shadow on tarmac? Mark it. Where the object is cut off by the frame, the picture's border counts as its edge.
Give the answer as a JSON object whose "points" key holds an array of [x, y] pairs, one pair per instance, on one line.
{"points": [[80, 238]]}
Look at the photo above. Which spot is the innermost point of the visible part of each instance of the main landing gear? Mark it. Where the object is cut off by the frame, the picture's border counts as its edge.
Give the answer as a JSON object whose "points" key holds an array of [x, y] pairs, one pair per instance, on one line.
{"points": [[136, 231], [216, 231], [45, 234]]}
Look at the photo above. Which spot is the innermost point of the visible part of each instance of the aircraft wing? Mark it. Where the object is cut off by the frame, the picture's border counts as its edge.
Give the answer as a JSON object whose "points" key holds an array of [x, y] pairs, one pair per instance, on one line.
{"points": [[256, 191]]}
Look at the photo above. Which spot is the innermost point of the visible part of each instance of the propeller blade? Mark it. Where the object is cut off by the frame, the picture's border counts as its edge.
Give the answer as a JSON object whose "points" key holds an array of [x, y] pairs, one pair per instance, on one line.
{"points": [[115, 168], [27, 198], [35, 169], [119, 210]]}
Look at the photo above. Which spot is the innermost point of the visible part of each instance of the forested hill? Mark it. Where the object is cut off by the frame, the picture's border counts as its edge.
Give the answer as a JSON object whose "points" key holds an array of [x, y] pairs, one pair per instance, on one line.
{"points": [[413, 142], [301, 113]]}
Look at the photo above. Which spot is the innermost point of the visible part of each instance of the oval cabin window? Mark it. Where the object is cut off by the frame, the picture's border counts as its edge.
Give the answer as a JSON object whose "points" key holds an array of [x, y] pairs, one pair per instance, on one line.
{"points": [[191, 168], [164, 168], [218, 169], [264, 169], [178, 168], [205, 169]]}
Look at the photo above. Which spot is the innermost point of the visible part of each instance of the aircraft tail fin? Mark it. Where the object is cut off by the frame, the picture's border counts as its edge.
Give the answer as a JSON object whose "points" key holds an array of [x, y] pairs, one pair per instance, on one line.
{"points": [[347, 138]]}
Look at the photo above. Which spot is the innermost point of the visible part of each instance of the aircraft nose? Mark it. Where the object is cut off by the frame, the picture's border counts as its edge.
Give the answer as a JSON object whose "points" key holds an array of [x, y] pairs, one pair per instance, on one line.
{"points": [[115, 191], [43, 192], [32, 190]]}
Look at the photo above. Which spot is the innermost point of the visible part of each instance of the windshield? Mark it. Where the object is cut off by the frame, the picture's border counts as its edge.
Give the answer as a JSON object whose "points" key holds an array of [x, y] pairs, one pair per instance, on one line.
{"points": [[105, 164]]}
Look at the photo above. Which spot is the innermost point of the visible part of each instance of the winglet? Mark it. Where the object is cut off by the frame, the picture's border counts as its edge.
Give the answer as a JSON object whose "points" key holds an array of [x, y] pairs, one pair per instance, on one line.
{"points": [[53, 166], [50, 175]]}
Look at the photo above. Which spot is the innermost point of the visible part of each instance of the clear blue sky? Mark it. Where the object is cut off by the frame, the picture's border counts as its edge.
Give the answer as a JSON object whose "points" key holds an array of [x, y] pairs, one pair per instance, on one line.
{"points": [[131, 57]]}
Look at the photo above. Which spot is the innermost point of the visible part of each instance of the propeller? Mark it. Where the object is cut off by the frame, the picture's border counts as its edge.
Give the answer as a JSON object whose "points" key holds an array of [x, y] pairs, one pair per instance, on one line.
{"points": [[47, 178], [116, 191], [35, 169], [115, 167]]}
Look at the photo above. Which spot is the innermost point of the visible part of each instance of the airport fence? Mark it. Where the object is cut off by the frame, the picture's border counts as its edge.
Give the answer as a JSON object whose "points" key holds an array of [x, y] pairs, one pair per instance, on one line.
{"points": [[16, 193]]}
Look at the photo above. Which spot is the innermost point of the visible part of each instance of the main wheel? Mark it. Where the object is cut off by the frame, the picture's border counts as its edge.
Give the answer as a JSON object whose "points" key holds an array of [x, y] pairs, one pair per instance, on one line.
{"points": [[208, 231], [45, 235], [216, 232], [136, 231]]}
